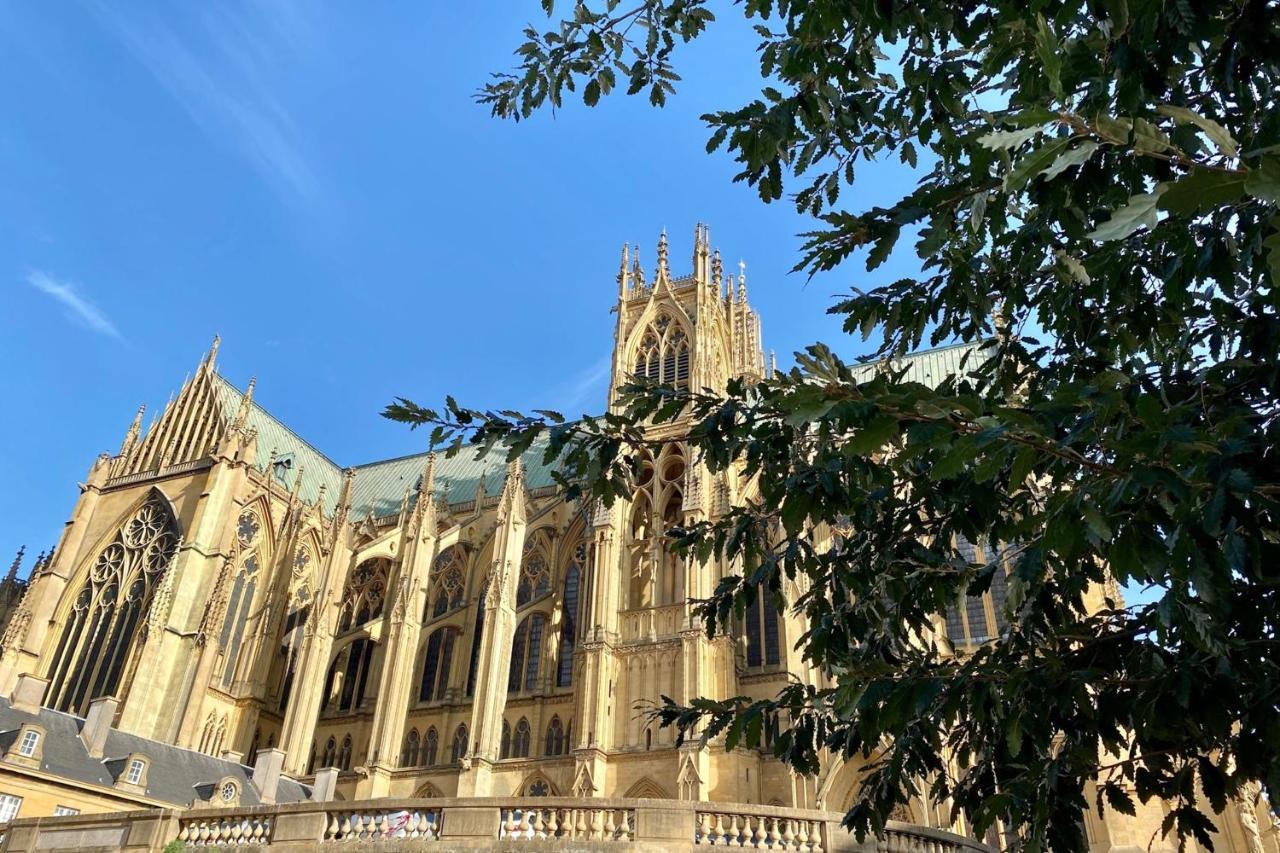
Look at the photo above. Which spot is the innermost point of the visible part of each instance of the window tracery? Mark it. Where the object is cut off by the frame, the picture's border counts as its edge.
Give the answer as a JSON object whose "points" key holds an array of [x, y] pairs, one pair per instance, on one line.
{"points": [[116, 594], [569, 616], [526, 654], [656, 575], [248, 527], [447, 582], [459, 748], [236, 618], [535, 572], [663, 353], [430, 746], [364, 595], [557, 738], [436, 664]]}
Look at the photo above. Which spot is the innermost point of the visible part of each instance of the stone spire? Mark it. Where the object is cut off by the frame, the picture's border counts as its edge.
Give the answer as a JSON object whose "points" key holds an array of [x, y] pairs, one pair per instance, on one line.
{"points": [[663, 265], [135, 430], [637, 271], [717, 271], [742, 281]]}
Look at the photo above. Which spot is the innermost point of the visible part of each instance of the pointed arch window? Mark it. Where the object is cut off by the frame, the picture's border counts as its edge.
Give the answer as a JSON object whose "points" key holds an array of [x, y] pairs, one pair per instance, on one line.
{"points": [[349, 675], [477, 636], [520, 739], [344, 757], [459, 749], [99, 632], [291, 638], [447, 583], [569, 617], [663, 353], [436, 664], [535, 572], [526, 654], [762, 631], [330, 753], [409, 756], [430, 746], [504, 747], [364, 594], [975, 619], [237, 617], [557, 740]]}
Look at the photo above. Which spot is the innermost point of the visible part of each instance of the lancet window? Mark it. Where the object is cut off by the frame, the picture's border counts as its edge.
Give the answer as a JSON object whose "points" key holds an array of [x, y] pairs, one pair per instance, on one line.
{"points": [[430, 746], [762, 631], [663, 353], [477, 636], [114, 597], [535, 571], [557, 739], [291, 637], [526, 654], [349, 676], [569, 616], [231, 638], [978, 618], [656, 573], [364, 594], [409, 755], [459, 749], [447, 583], [436, 664]]}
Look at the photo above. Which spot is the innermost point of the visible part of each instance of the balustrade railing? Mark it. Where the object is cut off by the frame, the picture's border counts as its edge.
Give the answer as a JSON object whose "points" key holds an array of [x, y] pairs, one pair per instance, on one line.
{"points": [[371, 824], [595, 824], [225, 830], [577, 823]]}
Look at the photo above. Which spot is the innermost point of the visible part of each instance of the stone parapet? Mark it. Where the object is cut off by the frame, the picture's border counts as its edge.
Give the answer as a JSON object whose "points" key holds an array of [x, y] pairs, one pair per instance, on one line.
{"points": [[479, 823]]}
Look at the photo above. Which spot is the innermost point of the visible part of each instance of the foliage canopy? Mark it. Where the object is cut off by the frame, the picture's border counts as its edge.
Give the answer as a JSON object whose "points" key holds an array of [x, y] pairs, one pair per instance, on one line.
{"points": [[1097, 198]]}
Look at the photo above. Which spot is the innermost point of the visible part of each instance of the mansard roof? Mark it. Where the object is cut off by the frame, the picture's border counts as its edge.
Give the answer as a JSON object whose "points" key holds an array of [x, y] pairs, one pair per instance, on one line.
{"points": [[173, 773], [380, 486]]}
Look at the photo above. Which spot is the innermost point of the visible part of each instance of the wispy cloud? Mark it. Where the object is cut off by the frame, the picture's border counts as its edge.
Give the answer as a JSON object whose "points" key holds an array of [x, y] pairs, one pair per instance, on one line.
{"points": [[78, 307], [221, 70], [587, 386]]}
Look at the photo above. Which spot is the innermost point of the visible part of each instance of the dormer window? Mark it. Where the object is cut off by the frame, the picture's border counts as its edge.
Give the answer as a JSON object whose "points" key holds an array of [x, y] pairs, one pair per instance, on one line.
{"points": [[133, 772], [136, 768], [281, 467], [30, 741]]}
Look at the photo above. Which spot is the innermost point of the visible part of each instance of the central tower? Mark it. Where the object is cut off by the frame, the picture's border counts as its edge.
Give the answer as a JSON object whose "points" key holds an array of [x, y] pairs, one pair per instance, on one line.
{"points": [[695, 330]]}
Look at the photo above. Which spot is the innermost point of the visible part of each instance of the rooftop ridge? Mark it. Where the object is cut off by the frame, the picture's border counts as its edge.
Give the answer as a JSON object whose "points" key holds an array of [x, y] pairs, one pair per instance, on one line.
{"points": [[283, 425]]}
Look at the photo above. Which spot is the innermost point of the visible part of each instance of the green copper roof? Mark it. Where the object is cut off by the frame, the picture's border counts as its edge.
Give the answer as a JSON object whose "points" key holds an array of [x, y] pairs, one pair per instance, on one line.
{"points": [[931, 366], [293, 453]]}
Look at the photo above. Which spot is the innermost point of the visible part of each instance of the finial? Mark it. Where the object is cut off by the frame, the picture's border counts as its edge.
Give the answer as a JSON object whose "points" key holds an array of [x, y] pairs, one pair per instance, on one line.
{"points": [[135, 429], [242, 413], [717, 270], [637, 271], [428, 485], [213, 352], [484, 473], [773, 364], [662, 251], [742, 281], [624, 281], [17, 561]]}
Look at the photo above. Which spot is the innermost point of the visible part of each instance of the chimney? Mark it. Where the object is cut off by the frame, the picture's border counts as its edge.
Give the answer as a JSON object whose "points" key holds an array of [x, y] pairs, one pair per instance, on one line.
{"points": [[102, 713], [323, 787], [28, 693], [266, 774]]}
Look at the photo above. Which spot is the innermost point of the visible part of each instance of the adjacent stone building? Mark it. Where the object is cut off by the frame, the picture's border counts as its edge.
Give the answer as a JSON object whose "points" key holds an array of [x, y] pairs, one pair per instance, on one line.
{"points": [[431, 627]]}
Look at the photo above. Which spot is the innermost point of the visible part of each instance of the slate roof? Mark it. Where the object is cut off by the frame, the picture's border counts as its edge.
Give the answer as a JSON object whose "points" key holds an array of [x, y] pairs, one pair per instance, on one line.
{"points": [[380, 486], [174, 774]]}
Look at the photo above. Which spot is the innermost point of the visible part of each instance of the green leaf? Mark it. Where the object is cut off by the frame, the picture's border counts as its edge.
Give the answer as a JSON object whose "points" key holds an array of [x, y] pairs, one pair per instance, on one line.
{"points": [[977, 212], [1007, 140], [1140, 212], [1050, 54], [1211, 128], [1272, 246], [1201, 191], [1074, 267], [1034, 163], [878, 432], [1075, 157], [1263, 181], [591, 93]]}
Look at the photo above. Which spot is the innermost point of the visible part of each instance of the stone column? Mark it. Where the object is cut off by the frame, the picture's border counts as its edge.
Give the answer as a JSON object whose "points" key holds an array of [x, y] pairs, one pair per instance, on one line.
{"points": [[493, 665], [395, 691]]}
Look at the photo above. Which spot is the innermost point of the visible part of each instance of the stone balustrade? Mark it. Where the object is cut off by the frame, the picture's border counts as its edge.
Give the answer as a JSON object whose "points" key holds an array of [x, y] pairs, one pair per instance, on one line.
{"points": [[547, 823]]}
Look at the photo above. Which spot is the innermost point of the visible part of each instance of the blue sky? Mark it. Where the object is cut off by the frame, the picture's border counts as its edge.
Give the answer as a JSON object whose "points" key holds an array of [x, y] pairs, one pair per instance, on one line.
{"points": [[315, 184]]}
